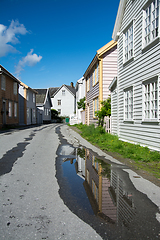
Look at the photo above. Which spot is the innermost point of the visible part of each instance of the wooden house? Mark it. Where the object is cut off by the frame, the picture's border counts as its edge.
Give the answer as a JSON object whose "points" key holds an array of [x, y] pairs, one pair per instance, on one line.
{"points": [[99, 74], [27, 105], [9, 111], [136, 90]]}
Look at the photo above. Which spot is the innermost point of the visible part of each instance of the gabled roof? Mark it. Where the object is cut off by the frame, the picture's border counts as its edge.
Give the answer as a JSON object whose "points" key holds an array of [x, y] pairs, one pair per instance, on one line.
{"points": [[99, 54], [3, 70], [118, 21], [72, 90], [52, 90], [24, 85], [42, 96]]}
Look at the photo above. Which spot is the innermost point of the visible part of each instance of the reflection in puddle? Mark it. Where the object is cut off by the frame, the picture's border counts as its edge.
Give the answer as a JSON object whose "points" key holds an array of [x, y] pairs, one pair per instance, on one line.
{"points": [[101, 193], [105, 190]]}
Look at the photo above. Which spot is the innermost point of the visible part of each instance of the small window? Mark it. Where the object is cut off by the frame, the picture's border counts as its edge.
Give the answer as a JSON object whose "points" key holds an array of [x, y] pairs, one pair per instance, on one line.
{"points": [[34, 113], [95, 74], [95, 106], [63, 92], [15, 88], [10, 109], [3, 82], [151, 22], [34, 97], [59, 102], [128, 44], [15, 110], [28, 112], [27, 95], [150, 96], [88, 84], [59, 111], [128, 104]]}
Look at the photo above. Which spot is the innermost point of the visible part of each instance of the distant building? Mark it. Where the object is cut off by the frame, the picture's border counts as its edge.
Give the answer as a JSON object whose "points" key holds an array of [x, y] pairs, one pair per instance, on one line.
{"points": [[27, 105], [63, 99], [80, 94], [44, 104]]}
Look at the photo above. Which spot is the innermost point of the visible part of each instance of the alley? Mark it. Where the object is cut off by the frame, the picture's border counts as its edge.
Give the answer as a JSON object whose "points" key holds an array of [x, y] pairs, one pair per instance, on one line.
{"points": [[31, 207]]}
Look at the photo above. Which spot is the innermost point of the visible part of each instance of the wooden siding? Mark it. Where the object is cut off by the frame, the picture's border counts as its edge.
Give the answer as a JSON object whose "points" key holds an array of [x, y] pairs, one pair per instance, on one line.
{"points": [[145, 65], [109, 70]]}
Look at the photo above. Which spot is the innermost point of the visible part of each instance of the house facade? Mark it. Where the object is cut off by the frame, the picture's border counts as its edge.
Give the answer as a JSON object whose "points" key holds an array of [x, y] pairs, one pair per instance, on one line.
{"points": [[137, 87], [99, 75], [80, 94], [27, 105], [9, 114], [63, 99], [44, 104]]}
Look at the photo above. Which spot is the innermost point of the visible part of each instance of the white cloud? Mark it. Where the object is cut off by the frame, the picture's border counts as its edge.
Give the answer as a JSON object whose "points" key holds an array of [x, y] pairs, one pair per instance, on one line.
{"points": [[8, 37], [29, 60]]}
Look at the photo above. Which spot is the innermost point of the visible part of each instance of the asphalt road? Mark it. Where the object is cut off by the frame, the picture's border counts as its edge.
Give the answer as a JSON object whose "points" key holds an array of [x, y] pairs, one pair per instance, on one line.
{"points": [[30, 205], [34, 203]]}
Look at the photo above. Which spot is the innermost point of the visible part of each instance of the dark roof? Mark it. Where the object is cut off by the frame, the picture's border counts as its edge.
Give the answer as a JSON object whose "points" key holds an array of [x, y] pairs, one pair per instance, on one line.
{"points": [[52, 90], [40, 97], [72, 89]]}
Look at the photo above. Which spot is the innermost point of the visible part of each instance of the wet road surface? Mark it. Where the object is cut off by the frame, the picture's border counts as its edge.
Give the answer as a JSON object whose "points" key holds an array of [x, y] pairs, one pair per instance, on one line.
{"points": [[55, 185]]}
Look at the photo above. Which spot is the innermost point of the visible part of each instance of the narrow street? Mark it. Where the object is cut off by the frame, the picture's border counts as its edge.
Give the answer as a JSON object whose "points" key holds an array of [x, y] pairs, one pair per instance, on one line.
{"points": [[37, 200]]}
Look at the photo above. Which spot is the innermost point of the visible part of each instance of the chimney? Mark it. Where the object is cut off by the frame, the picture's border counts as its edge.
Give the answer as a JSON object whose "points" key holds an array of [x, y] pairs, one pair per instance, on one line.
{"points": [[72, 85]]}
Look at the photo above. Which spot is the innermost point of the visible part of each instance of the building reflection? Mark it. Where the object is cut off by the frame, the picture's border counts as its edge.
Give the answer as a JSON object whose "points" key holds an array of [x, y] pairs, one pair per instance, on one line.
{"points": [[107, 192]]}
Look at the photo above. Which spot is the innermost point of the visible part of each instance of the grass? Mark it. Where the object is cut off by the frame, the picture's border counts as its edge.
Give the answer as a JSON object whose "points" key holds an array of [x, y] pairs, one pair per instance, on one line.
{"points": [[143, 157]]}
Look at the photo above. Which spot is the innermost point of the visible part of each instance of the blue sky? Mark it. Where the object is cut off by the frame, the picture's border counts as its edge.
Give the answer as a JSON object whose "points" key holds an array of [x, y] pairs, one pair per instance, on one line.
{"points": [[47, 43]]}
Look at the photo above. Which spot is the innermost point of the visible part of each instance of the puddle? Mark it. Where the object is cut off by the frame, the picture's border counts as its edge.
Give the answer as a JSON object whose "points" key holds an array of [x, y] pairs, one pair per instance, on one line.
{"points": [[101, 194]]}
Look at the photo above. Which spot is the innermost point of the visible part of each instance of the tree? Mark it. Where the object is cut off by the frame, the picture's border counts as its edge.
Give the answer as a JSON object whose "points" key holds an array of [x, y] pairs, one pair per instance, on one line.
{"points": [[104, 111], [81, 103]]}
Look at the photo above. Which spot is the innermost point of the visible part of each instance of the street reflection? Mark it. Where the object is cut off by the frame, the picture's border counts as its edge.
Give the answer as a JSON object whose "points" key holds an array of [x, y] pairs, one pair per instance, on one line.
{"points": [[106, 191]]}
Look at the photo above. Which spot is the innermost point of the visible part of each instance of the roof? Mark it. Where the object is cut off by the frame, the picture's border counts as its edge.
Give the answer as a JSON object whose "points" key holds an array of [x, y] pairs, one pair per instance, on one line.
{"points": [[118, 21], [52, 90], [71, 89], [41, 95], [24, 85], [99, 54], [3, 70]]}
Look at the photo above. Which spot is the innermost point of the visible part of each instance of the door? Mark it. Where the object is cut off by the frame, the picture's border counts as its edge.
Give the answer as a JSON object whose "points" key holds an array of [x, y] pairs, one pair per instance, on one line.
{"points": [[4, 113]]}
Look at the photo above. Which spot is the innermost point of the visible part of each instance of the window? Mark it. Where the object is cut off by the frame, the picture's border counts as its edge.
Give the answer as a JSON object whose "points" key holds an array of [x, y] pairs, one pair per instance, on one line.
{"points": [[95, 163], [128, 105], [150, 94], [15, 109], [10, 109], [27, 95], [88, 84], [59, 111], [15, 88], [87, 176], [28, 112], [34, 97], [95, 106], [63, 92], [3, 82], [95, 74], [128, 43], [151, 22], [34, 113], [59, 102], [95, 190]]}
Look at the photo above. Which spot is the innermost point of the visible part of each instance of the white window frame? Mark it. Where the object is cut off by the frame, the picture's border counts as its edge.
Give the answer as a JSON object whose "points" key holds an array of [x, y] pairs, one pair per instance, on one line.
{"points": [[95, 74], [151, 100], [128, 104], [3, 82], [59, 102], [128, 43], [151, 22], [59, 111]]}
